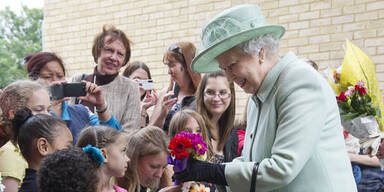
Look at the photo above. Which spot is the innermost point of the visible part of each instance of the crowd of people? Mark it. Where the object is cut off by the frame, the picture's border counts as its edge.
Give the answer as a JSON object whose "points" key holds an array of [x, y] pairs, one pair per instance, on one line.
{"points": [[291, 138]]}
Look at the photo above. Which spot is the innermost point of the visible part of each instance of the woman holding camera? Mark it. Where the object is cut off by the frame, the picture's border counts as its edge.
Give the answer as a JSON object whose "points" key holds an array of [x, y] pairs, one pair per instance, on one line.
{"points": [[48, 68], [111, 51], [182, 87], [139, 72]]}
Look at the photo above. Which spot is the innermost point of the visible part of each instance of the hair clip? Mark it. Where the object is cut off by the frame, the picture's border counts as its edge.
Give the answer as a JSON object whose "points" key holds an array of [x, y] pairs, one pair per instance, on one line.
{"points": [[95, 154]]}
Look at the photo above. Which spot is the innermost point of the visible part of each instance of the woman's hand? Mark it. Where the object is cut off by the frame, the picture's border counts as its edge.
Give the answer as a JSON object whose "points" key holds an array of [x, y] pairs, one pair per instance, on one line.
{"points": [[162, 108], [149, 100], [167, 102], [94, 95], [58, 101]]}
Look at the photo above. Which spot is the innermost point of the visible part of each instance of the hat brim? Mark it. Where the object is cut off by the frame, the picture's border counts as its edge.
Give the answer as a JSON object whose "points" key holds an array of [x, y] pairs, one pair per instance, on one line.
{"points": [[205, 61]]}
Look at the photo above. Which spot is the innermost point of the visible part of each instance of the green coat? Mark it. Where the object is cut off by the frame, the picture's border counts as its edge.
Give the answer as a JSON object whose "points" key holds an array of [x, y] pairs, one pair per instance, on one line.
{"points": [[294, 131]]}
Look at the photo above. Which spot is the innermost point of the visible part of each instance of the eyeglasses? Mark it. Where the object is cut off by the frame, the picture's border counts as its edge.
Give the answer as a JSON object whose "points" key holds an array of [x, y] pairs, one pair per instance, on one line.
{"points": [[212, 94], [178, 50]]}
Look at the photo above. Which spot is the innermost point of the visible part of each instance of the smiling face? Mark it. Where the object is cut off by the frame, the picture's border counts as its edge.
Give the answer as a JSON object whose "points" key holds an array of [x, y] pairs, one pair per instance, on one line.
{"points": [[111, 57], [116, 157], [39, 102], [217, 95], [151, 168], [244, 69]]}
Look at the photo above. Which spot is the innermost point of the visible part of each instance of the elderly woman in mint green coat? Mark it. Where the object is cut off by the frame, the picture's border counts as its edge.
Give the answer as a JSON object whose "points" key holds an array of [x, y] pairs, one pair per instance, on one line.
{"points": [[293, 138]]}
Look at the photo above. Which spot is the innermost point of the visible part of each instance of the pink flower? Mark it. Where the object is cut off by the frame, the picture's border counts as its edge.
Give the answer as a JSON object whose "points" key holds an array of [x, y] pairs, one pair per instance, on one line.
{"points": [[350, 91]]}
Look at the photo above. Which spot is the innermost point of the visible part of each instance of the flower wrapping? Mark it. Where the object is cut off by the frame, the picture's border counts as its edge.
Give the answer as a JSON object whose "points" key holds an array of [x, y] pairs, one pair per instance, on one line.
{"points": [[183, 146], [361, 127]]}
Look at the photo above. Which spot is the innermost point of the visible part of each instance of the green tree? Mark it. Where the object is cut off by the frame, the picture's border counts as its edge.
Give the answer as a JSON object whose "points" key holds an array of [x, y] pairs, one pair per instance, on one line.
{"points": [[20, 35]]}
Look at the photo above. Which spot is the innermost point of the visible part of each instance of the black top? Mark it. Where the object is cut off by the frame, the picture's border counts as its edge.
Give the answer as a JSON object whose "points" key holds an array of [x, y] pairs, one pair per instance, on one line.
{"points": [[231, 146], [187, 102], [29, 182]]}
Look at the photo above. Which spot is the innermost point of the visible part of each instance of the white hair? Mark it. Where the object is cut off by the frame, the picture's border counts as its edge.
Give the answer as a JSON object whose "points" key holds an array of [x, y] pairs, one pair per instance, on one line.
{"points": [[269, 42]]}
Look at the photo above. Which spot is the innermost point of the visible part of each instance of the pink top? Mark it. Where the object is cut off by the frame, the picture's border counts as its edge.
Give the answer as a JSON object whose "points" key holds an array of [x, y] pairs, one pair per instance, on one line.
{"points": [[119, 189]]}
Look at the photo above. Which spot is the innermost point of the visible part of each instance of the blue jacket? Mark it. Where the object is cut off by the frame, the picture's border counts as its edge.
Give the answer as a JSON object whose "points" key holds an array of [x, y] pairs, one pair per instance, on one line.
{"points": [[77, 117]]}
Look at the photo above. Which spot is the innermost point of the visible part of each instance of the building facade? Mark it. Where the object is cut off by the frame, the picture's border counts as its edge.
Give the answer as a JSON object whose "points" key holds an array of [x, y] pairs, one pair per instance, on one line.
{"points": [[316, 29]]}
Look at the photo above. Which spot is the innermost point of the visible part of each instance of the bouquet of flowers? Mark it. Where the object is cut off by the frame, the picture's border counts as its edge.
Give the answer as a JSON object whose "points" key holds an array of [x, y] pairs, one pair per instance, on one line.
{"points": [[183, 146], [357, 113], [358, 117]]}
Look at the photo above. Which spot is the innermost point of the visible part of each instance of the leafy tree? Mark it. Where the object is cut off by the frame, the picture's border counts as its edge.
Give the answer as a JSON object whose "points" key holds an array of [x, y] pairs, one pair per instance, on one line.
{"points": [[20, 35]]}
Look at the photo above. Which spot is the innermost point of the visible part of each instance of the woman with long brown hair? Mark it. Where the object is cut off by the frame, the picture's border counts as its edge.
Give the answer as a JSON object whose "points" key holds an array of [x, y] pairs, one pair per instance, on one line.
{"points": [[215, 102], [182, 86]]}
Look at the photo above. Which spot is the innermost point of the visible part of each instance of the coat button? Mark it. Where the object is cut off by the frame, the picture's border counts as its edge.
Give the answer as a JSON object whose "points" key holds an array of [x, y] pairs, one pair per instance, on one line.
{"points": [[251, 135]]}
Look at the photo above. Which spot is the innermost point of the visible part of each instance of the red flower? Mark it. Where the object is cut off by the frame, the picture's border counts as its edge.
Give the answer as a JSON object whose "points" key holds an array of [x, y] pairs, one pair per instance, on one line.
{"points": [[361, 89], [345, 133], [341, 97], [178, 146]]}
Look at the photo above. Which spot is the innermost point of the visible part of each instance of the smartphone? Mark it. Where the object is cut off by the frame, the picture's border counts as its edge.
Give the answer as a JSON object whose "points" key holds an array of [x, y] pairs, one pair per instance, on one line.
{"points": [[175, 91], [67, 90], [147, 84]]}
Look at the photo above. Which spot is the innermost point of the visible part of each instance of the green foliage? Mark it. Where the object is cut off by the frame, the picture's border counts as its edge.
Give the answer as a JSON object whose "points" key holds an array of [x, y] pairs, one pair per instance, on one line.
{"points": [[20, 35]]}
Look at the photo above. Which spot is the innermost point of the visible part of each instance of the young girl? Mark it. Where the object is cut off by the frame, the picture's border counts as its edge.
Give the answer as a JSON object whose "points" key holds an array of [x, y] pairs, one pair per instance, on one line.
{"points": [[189, 121], [69, 170], [37, 136], [14, 97], [148, 151], [113, 147]]}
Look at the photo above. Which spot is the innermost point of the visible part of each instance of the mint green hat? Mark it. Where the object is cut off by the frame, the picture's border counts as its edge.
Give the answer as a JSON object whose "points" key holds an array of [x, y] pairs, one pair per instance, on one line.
{"points": [[228, 29]]}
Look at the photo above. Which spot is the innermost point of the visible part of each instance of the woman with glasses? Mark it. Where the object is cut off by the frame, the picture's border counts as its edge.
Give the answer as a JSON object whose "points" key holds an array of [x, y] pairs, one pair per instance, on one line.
{"points": [[182, 86], [215, 102]]}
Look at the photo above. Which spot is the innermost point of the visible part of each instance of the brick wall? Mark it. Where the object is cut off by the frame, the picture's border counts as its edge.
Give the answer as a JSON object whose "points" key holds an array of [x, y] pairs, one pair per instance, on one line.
{"points": [[316, 29]]}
